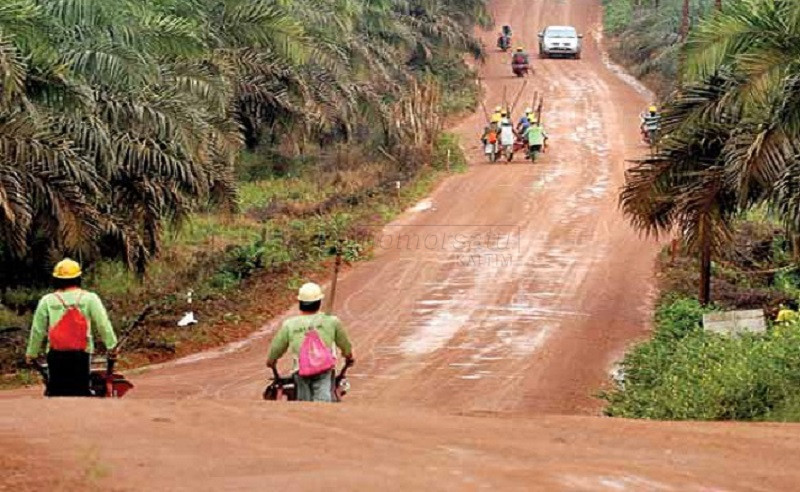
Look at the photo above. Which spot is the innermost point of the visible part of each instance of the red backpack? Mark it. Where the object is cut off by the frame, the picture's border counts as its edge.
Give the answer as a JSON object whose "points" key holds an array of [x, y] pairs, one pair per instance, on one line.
{"points": [[71, 331]]}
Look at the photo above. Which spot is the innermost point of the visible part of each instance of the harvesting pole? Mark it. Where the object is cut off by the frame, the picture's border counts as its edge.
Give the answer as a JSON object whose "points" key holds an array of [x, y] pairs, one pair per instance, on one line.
{"points": [[336, 266], [516, 100]]}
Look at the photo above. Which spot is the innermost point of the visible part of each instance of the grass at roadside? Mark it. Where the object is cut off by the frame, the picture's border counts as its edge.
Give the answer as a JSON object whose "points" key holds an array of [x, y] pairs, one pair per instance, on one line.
{"points": [[682, 372], [241, 268]]}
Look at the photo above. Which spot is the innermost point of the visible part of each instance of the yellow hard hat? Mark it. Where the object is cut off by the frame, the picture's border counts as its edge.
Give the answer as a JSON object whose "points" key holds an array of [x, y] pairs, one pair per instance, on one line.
{"points": [[498, 108], [528, 111], [653, 109], [310, 292], [67, 269]]}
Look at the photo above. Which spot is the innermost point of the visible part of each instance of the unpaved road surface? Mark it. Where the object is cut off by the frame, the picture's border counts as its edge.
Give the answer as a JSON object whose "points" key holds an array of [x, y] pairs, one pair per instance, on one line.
{"points": [[491, 312]]}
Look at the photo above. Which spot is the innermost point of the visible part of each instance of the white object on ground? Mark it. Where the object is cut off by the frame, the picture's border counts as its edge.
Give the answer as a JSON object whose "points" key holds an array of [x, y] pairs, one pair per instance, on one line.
{"points": [[188, 319]]}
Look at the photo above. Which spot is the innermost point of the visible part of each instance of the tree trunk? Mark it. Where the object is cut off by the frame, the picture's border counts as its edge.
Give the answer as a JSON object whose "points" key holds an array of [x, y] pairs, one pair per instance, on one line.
{"points": [[718, 4], [685, 21], [705, 263]]}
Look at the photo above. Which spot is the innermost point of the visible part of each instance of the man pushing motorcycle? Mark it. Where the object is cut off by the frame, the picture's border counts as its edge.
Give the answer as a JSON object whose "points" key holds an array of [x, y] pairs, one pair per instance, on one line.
{"points": [[311, 337]]}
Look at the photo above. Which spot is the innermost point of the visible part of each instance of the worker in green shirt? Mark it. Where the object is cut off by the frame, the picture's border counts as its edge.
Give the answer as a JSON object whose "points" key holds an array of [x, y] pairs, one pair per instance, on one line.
{"points": [[293, 332], [67, 318], [536, 138]]}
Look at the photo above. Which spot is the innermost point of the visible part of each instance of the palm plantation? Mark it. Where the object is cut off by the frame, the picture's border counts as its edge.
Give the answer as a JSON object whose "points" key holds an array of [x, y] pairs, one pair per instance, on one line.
{"points": [[732, 131], [119, 117]]}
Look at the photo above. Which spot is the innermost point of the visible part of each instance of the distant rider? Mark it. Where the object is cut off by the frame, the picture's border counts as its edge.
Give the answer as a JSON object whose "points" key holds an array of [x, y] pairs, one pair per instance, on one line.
{"points": [[520, 57], [293, 333], [503, 41], [67, 318], [651, 124]]}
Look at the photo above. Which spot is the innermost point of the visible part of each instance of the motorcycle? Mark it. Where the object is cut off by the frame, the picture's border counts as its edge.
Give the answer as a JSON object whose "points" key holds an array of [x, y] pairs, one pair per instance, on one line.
{"points": [[504, 43], [491, 151], [648, 136], [285, 389], [103, 382], [520, 69]]}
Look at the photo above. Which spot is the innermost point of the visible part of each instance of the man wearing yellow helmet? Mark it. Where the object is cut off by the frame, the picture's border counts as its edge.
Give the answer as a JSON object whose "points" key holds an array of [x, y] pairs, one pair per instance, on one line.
{"points": [[68, 318], [651, 124], [294, 336], [519, 60], [497, 115]]}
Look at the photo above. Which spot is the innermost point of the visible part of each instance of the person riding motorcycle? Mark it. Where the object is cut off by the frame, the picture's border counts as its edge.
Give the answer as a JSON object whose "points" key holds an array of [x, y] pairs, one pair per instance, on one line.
{"points": [[68, 318], [504, 41], [519, 60], [507, 31], [536, 138], [650, 124], [292, 336]]}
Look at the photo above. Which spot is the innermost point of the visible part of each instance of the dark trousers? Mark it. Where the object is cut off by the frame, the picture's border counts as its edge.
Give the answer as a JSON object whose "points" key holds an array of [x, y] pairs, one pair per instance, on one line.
{"points": [[68, 373]]}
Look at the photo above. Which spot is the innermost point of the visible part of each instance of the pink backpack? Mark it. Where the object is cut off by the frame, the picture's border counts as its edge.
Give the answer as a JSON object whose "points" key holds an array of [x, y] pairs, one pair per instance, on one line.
{"points": [[315, 358]]}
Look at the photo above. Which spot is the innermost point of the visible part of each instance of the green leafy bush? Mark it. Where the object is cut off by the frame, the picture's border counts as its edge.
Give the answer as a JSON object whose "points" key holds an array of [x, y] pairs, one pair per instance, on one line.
{"points": [[447, 153], [686, 373]]}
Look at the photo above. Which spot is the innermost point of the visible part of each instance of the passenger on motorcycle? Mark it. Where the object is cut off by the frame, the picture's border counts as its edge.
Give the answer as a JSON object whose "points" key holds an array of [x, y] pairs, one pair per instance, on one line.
{"points": [[292, 335], [68, 318]]}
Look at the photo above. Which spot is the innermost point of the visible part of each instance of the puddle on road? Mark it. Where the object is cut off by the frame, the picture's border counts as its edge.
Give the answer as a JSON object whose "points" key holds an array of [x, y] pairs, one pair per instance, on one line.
{"points": [[422, 206], [434, 333]]}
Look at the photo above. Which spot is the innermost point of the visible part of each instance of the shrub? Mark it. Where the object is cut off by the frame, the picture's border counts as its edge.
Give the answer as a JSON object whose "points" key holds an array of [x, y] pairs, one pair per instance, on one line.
{"points": [[447, 153], [686, 373]]}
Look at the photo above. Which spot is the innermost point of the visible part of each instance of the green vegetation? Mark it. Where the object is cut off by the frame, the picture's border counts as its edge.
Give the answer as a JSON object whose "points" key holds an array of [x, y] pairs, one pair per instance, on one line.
{"points": [[730, 133], [120, 118], [686, 373], [228, 147], [724, 180], [647, 36]]}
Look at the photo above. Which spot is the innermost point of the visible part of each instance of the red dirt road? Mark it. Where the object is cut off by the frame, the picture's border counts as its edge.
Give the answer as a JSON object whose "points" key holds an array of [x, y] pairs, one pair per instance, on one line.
{"points": [[490, 312]]}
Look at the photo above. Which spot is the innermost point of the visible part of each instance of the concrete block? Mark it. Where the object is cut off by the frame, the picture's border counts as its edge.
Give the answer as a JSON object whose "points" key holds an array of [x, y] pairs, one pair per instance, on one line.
{"points": [[735, 322]]}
